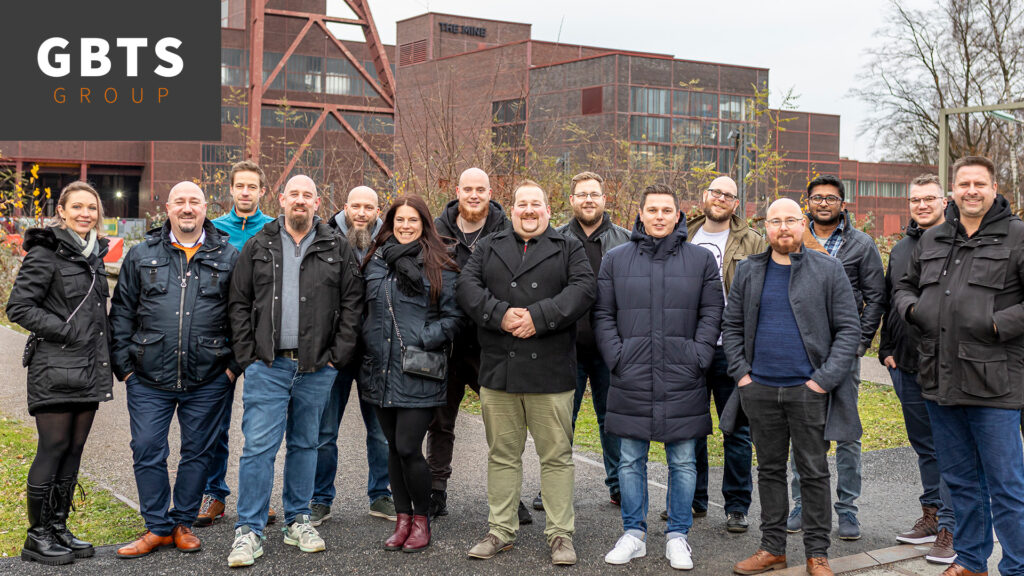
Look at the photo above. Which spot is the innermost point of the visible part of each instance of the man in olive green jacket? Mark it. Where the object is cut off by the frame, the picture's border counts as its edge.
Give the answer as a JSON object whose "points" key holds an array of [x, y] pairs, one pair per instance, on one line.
{"points": [[727, 235]]}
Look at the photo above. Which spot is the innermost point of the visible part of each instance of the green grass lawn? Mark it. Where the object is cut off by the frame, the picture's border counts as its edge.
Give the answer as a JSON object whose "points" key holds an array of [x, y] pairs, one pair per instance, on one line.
{"points": [[100, 518], [880, 415]]}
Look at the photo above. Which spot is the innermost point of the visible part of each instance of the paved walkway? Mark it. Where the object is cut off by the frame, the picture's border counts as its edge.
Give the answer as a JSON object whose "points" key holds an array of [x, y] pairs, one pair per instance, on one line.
{"points": [[888, 505]]}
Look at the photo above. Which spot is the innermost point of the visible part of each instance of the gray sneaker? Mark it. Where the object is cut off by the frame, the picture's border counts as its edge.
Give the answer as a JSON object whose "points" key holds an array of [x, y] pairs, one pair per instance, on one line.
{"points": [[795, 523], [321, 512], [302, 534], [849, 528], [246, 549], [383, 507]]}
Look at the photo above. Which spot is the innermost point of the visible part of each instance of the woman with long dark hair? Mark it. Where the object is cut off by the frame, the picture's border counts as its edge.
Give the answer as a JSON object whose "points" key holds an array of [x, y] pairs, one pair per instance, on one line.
{"points": [[411, 314], [60, 295]]}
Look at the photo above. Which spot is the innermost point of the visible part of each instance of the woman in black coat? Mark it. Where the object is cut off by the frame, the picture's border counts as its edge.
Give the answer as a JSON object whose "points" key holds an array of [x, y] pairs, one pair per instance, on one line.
{"points": [[60, 295], [410, 302]]}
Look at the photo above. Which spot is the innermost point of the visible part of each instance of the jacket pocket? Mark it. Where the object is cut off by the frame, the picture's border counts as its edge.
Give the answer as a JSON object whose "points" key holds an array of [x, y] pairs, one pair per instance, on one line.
{"points": [[931, 266], [927, 366], [988, 267], [211, 354], [153, 275], [147, 354], [985, 370], [76, 282], [213, 278], [67, 374], [329, 267]]}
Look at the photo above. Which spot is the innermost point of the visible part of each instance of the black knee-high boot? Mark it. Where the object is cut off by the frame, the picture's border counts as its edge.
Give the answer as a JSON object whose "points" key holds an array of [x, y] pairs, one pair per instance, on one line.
{"points": [[63, 498], [40, 544]]}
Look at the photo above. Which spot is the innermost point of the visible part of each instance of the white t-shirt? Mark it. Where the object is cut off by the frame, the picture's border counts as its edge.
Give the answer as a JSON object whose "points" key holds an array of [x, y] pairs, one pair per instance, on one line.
{"points": [[715, 242]]}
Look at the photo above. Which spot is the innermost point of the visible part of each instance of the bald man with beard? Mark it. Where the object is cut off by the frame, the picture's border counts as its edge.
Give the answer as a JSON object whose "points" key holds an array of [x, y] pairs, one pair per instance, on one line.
{"points": [[168, 322], [790, 333], [295, 306]]}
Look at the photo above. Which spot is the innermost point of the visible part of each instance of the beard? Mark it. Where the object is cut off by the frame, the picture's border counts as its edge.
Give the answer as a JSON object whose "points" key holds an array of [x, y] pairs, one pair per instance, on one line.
{"points": [[828, 222], [792, 245], [583, 220], [710, 213], [359, 238], [298, 221], [474, 215]]}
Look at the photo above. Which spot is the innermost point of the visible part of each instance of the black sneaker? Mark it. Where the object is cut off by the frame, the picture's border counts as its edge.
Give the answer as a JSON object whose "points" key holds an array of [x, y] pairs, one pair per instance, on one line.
{"points": [[616, 498], [699, 512], [438, 503], [524, 515], [538, 502], [321, 512], [736, 522]]}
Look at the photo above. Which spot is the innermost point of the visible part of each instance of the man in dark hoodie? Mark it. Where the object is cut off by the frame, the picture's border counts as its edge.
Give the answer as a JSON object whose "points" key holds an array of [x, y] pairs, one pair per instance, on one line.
{"points": [[964, 292], [898, 352], [358, 220], [465, 221]]}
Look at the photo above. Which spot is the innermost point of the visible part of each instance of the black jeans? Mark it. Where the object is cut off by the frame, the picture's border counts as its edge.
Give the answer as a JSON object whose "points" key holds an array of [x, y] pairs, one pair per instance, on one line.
{"points": [[463, 370], [777, 416], [407, 469]]}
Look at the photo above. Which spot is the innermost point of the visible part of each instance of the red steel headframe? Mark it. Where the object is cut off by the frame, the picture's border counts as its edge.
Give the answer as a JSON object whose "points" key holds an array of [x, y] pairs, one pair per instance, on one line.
{"points": [[385, 87]]}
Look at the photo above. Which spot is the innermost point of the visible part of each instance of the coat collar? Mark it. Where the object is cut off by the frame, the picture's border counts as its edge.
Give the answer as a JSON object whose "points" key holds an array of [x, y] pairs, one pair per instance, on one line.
{"points": [[507, 249]]}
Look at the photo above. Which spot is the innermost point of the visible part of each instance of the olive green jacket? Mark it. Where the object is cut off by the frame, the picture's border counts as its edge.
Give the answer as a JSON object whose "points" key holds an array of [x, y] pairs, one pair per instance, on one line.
{"points": [[743, 241]]}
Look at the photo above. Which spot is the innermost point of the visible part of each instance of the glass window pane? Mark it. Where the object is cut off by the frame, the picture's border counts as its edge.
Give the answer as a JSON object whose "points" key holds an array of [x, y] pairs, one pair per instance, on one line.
{"points": [[650, 100], [702, 104], [649, 129], [681, 103], [685, 131]]}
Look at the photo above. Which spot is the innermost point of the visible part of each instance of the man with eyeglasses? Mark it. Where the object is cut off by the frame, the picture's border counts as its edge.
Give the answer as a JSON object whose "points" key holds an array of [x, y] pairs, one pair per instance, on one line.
{"points": [[898, 352], [832, 226], [592, 226], [790, 332], [169, 328], [729, 238]]}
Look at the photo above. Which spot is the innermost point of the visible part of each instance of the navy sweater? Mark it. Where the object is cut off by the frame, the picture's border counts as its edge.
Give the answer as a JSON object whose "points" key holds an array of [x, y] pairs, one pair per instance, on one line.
{"points": [[779, 355]]}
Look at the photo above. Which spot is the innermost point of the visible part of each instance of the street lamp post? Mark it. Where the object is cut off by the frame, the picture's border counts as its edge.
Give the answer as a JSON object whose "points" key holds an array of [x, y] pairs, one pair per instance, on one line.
{"points": [[944, 114]]}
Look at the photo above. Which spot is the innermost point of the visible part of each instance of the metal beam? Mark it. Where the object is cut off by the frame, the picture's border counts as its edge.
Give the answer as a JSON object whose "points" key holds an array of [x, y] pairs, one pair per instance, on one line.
{"points": [[298, 153], [363, 144], [944, 114], [256, 21]]}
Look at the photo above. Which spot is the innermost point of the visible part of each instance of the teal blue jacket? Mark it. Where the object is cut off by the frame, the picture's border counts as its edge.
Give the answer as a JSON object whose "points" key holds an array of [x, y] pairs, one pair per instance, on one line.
{"points": [[239, 229]]}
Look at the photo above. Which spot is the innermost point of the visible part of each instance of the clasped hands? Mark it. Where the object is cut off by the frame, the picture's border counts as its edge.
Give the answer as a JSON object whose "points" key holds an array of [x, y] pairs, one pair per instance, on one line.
{"points": [[518, 322]]}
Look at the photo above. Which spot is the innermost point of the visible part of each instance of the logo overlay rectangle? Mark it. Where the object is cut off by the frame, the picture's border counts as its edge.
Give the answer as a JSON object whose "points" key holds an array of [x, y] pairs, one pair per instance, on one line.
{"points": [[111, 70]]}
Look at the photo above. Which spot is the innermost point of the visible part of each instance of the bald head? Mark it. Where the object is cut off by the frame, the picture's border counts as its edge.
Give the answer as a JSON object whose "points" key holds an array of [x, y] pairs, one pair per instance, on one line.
{"points": [[720, 202], [785, 226], [186, 211], [474, 194], [361, 208], [300, 181]]}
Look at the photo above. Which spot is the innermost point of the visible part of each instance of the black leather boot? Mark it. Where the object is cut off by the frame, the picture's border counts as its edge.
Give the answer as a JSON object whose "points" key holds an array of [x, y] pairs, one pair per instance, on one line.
{"points": [[63, 500], [40, 544]]}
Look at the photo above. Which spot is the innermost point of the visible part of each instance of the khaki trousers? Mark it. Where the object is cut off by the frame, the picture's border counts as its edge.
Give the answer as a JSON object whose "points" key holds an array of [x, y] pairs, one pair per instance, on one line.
{"points": [[549, 419]]}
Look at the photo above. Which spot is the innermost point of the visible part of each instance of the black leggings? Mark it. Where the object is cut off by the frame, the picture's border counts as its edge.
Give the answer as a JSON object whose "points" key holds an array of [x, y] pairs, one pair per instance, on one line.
{"points": [[62, 437], [407, 468]]}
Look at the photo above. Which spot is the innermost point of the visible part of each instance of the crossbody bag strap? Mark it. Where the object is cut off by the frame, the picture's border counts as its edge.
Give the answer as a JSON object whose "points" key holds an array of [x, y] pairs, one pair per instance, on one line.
{"points": [[394, 321]]}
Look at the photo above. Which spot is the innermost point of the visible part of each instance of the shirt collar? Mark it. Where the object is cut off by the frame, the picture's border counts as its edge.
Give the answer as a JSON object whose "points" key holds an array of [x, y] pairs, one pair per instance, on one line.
{"points": [[199, 242]]}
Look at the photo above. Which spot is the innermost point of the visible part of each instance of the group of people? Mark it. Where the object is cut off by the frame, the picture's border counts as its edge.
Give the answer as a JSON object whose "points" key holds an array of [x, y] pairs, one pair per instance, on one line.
{"points": [[658, 320]]}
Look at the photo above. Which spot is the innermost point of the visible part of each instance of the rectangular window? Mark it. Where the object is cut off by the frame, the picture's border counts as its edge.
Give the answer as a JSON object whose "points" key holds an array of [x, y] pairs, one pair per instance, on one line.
{"points": [[508, 135], [685, 131], [270, 60], [232, 14], [651, 157], [731, 107], [681, 103], [305, 73], [703, 104], [650, 100], [709, 135], [591, 100], [341, 77], [726, 158], [891, 189], [866, 188], [508, 111], [234, 65], [650, 129], [850, 188], [234, 115]]}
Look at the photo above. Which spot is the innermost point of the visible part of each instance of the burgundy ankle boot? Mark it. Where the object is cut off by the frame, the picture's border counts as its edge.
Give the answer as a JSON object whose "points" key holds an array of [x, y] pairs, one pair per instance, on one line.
{"points": [[419, 536], [402, 526]]}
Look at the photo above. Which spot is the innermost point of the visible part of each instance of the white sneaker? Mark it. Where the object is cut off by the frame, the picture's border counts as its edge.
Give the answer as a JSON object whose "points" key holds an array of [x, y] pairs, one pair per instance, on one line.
{"points": [[677, 550], [627, 548], [302, 534], [246, 549]]}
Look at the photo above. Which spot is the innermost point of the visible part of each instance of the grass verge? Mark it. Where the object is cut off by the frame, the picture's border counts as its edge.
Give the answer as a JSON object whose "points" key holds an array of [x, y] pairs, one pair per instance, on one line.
{"points": [[880, 415], [100, 518]]}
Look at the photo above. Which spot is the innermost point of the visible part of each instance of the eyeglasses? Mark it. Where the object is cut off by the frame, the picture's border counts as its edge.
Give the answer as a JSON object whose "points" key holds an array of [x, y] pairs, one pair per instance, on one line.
{"points": [[778, 222], [924, 200], [826, 200], [719, 195], [582, 195]]}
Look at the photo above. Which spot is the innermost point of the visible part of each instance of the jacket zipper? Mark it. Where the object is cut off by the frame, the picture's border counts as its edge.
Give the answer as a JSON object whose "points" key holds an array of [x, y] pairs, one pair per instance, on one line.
{"points": [[181, 313], [273, 312]]}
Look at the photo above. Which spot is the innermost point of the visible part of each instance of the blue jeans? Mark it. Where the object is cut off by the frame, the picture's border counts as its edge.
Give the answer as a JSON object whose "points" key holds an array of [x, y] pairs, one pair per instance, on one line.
{"points": [[682, 476], [150, 411], [982, 461], [737, 479], [327, 448], [848, 470], [593, 367], [919, 432], [216, 474], [279, 398]]}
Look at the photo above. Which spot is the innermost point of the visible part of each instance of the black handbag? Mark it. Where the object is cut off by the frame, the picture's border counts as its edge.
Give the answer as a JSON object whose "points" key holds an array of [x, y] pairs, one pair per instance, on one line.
{"points": [[415, 360], [33, 341]]}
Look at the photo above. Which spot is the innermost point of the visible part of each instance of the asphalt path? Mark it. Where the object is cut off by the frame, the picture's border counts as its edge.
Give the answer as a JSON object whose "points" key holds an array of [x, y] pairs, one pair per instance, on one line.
{"points": [[888, 505]]}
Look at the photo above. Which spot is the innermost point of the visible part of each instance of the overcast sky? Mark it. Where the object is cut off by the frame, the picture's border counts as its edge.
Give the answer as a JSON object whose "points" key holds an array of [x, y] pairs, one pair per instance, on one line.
{"points": [[816, 47]]}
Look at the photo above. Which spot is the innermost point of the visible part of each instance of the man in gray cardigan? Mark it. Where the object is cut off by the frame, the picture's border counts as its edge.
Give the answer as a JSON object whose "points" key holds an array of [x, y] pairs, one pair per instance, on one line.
{"points": [[790, 333]]}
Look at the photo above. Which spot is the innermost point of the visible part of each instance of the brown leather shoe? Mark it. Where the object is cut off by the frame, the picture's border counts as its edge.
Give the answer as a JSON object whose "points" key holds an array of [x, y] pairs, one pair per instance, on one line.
{"points": [[761, 561], [958, 570], [146, 544], [419, 535], [819, 567], [211, 510], [401, 534], [185, 540]]}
